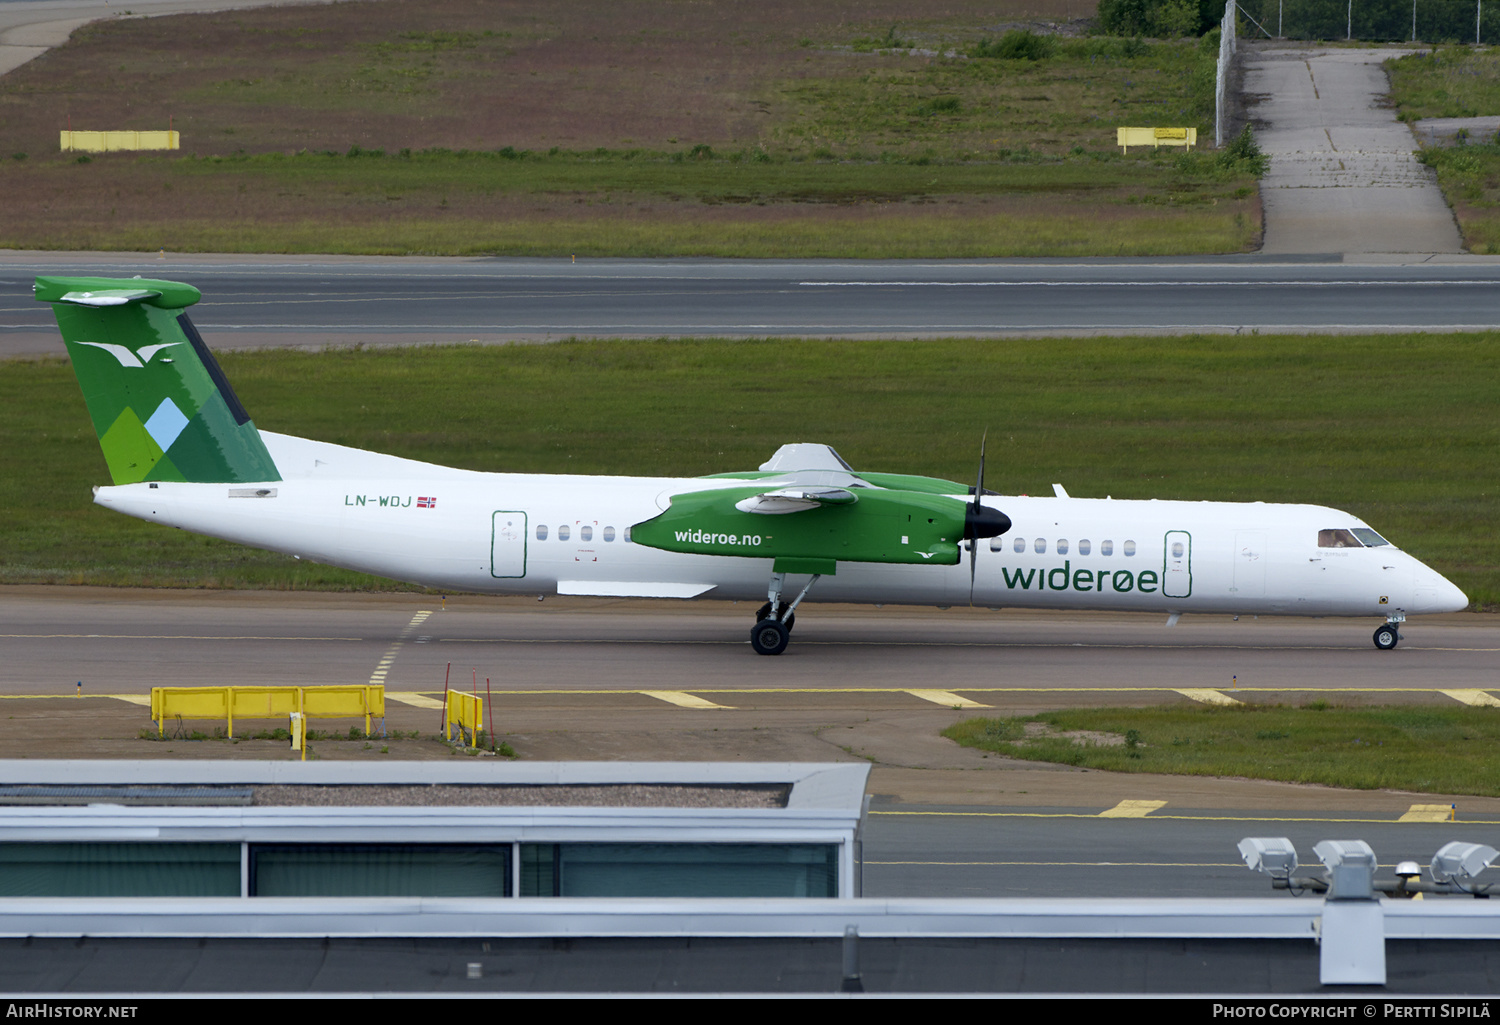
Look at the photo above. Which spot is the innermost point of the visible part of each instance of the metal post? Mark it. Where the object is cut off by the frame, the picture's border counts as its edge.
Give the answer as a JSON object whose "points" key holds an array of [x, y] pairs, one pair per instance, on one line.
{"points": [[1349, 27], [1279, 5], [852, 982], [1414, 20]]}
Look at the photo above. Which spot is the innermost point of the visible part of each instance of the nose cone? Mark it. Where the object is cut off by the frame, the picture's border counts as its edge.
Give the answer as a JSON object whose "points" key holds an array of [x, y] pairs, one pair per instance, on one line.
{"points": [[1436, 593], [1449, 597]]}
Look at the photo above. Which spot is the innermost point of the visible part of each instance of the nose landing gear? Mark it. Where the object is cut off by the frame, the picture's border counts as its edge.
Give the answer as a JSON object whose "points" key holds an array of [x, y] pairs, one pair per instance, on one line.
{"points": [[1389, 635], [773, 626]]}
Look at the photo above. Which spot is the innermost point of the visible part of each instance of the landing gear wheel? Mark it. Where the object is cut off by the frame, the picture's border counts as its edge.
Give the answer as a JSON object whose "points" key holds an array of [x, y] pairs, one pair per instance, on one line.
{"points": [[768, 637], [765, 614], [1386, 637]]}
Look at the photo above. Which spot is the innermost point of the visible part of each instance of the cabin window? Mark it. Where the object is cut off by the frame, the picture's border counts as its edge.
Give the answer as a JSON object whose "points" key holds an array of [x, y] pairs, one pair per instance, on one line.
{"points": [[1129, 548], [1337, 539], [1084, 547], [997, 544], [1041, 546], [563, 532], [626, 538], [1369, 537], [541, 532], [1177, 549], [1106, 548], [1062, 546], [585, 533], [609, 533], [1020, 547]]}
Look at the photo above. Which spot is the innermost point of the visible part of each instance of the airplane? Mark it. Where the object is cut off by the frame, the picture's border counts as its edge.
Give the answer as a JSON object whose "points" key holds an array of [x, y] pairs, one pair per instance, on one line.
{"points": [[182, 451]]}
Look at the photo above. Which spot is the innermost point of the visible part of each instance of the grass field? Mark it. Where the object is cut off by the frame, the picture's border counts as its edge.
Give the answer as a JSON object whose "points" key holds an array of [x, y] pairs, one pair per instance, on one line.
{"points": [[1417, 748], [1458, 81], [1407, 442], [854, 128]]}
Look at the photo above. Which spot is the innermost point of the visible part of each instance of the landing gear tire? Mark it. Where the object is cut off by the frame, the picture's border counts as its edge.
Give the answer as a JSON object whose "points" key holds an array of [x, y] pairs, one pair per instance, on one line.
{"points": [[1386, 637], [765, 614], [769, 637]]}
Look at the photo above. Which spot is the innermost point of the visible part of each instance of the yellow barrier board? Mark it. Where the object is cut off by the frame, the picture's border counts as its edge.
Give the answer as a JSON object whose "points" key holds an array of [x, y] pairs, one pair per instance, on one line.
{"points": [[230, 703], [113, 142], [1127, 137], [463, 710]]}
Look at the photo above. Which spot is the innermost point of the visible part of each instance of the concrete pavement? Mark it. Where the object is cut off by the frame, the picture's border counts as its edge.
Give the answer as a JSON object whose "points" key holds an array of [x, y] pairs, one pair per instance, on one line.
{"points": [[1344, 177]]}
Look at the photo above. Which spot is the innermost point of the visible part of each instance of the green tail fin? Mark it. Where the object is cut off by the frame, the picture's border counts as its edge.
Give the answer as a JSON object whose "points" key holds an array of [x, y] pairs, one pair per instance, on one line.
{"points": [[160, 404]]}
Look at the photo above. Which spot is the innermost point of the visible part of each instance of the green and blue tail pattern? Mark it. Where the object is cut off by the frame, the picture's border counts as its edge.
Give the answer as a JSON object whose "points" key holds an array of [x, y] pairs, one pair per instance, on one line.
{"points": [[159, 402]]}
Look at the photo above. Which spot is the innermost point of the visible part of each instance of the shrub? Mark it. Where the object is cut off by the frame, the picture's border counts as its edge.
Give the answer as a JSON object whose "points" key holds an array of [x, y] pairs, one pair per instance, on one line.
{"points": [[1017, 44]]}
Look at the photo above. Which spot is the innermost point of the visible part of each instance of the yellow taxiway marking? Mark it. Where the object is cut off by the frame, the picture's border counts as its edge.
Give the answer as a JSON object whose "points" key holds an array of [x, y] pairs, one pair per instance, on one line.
{"points": [[1207, 696], [1428, 813], [1132, 809], [946, 698], [1168, 818], [680, 698], [1472, 697], [414, 699], [134, 699]]}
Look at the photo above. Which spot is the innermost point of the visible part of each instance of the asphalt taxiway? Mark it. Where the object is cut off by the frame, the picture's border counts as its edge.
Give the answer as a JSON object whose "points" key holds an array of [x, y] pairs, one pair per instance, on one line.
{"points": [[583, 679]]}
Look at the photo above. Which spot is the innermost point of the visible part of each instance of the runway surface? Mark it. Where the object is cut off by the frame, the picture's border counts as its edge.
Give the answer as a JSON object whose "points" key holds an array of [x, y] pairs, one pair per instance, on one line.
{"points": [[264, 301], [577, 679]]}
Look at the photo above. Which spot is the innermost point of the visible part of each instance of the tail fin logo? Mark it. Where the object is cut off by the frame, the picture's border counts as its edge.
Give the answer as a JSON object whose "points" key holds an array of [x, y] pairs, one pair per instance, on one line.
{"points": [[137, 359]]}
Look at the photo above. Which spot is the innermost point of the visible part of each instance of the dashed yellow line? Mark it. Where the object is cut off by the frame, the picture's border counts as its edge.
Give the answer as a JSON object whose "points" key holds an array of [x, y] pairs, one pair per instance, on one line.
{"points": [[946, 698], [1168, 818], [1472, 697], [1132, 809], [1207, 696], [412, 698], [1429, 813], [382, 669], [680, 698]]}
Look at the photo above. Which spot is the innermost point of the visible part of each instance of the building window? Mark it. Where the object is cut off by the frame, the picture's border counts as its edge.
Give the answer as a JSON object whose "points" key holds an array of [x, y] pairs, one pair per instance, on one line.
{"points": [[380, 870], [679, 870]]}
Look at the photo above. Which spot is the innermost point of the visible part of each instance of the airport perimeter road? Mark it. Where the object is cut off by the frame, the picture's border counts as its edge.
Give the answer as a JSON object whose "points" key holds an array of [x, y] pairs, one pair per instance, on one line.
{"points": [[265, 301]]}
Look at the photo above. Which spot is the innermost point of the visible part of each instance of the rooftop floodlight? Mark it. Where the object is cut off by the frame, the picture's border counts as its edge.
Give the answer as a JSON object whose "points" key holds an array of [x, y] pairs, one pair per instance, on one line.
{"points": [[1408, 870], [1458, 862], [1351, 868], [1273, 855]]}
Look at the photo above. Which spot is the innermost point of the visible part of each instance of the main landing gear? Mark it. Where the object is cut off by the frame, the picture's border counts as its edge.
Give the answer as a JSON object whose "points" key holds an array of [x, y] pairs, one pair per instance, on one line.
{"points": [[774, 621], [1389, 634]]}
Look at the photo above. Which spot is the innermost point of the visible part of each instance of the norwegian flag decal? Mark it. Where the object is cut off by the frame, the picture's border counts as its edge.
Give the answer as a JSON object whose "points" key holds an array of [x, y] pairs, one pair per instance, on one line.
{"points": [[426, 503]]}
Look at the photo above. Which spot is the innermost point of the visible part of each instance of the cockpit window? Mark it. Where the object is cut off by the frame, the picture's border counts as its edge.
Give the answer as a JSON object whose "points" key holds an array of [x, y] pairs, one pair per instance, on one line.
{"points": [[1369, 537], [1337, 539]]}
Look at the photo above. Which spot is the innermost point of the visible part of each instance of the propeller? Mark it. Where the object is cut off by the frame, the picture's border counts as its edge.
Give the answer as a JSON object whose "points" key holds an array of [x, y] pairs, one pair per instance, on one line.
{"points": [[979, 521]]}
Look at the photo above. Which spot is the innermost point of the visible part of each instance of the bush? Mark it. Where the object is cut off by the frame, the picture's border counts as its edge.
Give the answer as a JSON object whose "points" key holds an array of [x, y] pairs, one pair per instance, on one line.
{"points": [[1244, 153], [1018, 44], [1161, 19]]}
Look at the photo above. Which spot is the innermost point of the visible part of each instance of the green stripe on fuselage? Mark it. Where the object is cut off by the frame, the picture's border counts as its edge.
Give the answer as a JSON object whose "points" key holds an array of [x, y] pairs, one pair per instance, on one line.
{"points": [[882, 526]]}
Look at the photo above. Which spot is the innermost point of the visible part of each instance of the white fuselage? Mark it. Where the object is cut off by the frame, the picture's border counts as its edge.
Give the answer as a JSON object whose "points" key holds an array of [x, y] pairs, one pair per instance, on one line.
{"points": [[545, 534]]}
